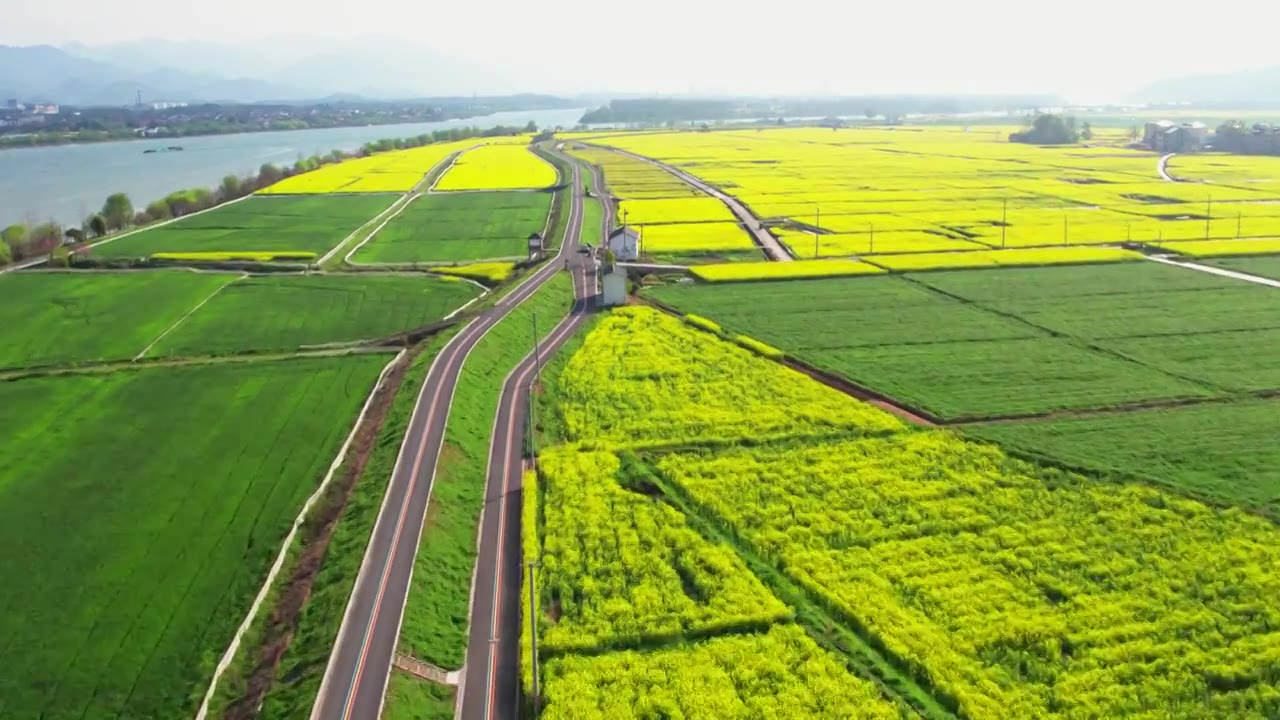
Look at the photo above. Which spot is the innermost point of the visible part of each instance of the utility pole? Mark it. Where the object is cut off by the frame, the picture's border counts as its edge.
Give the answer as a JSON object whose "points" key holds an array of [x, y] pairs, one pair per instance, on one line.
{"points": [[1064, 228], [1208, 215], [817, 229], [1239, 219], [1004, 220], [533, 633], [871, 247]]}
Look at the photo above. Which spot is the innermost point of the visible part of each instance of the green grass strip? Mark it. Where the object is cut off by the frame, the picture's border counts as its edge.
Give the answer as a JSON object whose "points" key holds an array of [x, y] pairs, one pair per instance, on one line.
{"points": [[297, 678], [435, 621], [411, 698]]}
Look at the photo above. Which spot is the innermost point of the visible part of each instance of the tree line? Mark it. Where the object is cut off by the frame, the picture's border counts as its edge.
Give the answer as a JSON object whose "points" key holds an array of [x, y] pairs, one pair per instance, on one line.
{"points": [[1050, 129], [23, 241]]}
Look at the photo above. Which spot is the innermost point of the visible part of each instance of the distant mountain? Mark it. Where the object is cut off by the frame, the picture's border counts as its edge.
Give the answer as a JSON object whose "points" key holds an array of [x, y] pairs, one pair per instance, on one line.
{"points": [[1243, 89], [48, 74], [379, 68]]}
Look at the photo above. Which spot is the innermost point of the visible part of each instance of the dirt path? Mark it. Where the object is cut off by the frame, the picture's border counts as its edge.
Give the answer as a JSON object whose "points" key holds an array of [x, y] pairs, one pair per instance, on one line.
{"points": [[1234, 275], [773, 249], [1162, 167]]}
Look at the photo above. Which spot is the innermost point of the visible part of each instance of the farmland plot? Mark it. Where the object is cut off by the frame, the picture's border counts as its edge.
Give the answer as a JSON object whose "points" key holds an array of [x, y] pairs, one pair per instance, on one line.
{"points": [[140, 510], [287, 312], [627, 570], [1264, 266], [937, 353], [1015, 592], [635, 383], [1222, 451], [56, 318], [444, 228], [314, 223], [779, 674], [498, 167]]}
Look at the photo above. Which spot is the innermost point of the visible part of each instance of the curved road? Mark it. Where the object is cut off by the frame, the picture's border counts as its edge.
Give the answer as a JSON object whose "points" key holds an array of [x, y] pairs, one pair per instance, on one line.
{"points": [[490, 685], [356, 677], [1163, 168], [773, 249]]}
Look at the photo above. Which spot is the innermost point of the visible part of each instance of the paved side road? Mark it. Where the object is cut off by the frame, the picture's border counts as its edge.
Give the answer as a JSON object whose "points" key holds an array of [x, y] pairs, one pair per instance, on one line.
{"points": [[359, 667], [773, 249], [1162, 167], [490, 687]]}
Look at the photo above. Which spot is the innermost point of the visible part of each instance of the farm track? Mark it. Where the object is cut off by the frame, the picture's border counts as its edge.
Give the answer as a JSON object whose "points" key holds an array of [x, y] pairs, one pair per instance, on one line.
{"points": [[359, 667], [490, 686], [1162, 167], [773, 249], [429, 180], [117, 365], [1221, 272]]}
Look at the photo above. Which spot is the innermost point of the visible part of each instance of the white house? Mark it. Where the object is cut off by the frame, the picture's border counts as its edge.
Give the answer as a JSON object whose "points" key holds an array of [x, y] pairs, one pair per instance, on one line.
{"points": [[625, 243]]}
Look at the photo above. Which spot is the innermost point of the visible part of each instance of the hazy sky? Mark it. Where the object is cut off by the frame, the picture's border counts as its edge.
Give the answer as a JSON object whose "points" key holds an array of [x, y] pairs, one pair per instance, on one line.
{"points": [[1089, 50]]}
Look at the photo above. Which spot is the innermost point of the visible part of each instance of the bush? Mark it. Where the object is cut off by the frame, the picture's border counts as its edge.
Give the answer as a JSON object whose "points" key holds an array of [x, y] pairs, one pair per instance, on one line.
{"points": [[702, 323], [759, 348]]}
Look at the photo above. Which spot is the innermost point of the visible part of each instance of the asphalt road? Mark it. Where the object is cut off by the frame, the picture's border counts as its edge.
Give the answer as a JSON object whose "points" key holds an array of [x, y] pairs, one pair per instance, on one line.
{"points": [[773, 249], [356, 678], [490, 679]]}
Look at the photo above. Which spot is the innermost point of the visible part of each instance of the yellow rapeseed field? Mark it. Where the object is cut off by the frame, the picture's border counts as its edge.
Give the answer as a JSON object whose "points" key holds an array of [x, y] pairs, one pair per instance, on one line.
{"points": [[391, 172], [498, 167], [494, 272], [744, 271], [1220, 248], [960, 188], [697, 238]]}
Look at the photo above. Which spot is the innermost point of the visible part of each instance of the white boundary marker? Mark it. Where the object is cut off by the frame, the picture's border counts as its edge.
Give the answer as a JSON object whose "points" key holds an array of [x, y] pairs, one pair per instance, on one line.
{"points": [[230, 654]]}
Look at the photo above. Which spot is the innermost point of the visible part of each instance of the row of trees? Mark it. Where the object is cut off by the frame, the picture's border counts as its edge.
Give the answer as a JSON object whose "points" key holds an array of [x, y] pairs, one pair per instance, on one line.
{"points": [[29, 240], [1049, 129]]}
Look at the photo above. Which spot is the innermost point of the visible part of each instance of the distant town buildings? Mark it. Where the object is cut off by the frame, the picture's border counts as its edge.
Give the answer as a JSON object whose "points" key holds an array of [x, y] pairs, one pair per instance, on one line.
{"points": [[17, 114], [1167, 136]]}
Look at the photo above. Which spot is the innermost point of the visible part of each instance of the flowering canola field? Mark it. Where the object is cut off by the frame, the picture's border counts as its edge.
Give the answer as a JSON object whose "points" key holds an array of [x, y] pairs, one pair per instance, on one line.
{"points": [[392, 172], [504, 166], [991, 586], [893, 191]]}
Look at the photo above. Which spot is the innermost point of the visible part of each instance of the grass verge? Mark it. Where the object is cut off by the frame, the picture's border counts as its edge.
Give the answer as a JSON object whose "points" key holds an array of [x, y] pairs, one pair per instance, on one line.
{"points": [[290, 685], [435, 621]]}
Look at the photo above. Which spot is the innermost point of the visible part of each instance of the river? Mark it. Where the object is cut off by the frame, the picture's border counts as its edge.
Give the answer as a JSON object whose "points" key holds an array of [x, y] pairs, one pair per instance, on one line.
{"points": [[65, 183]]}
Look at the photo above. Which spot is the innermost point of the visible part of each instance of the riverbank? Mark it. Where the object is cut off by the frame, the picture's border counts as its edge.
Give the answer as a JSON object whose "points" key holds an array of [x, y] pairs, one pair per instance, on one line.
{"points": [[64, 183]]}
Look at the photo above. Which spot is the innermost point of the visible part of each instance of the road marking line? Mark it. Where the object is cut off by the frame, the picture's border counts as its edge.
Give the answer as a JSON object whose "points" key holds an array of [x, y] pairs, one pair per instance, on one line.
{"points": [[526, 289]]}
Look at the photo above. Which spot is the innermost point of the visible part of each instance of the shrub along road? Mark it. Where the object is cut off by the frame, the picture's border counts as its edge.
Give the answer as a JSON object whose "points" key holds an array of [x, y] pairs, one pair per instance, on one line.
{"points": [[356, 678]]}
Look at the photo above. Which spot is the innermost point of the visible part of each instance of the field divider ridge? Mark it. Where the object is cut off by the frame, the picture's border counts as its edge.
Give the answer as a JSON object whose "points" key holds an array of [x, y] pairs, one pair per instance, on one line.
{"points": [[188, 314], [229, 655]]}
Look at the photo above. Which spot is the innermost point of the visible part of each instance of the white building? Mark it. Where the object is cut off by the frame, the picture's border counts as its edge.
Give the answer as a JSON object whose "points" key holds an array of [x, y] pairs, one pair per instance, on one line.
{"points": [[614, 286], [624, 243]]}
